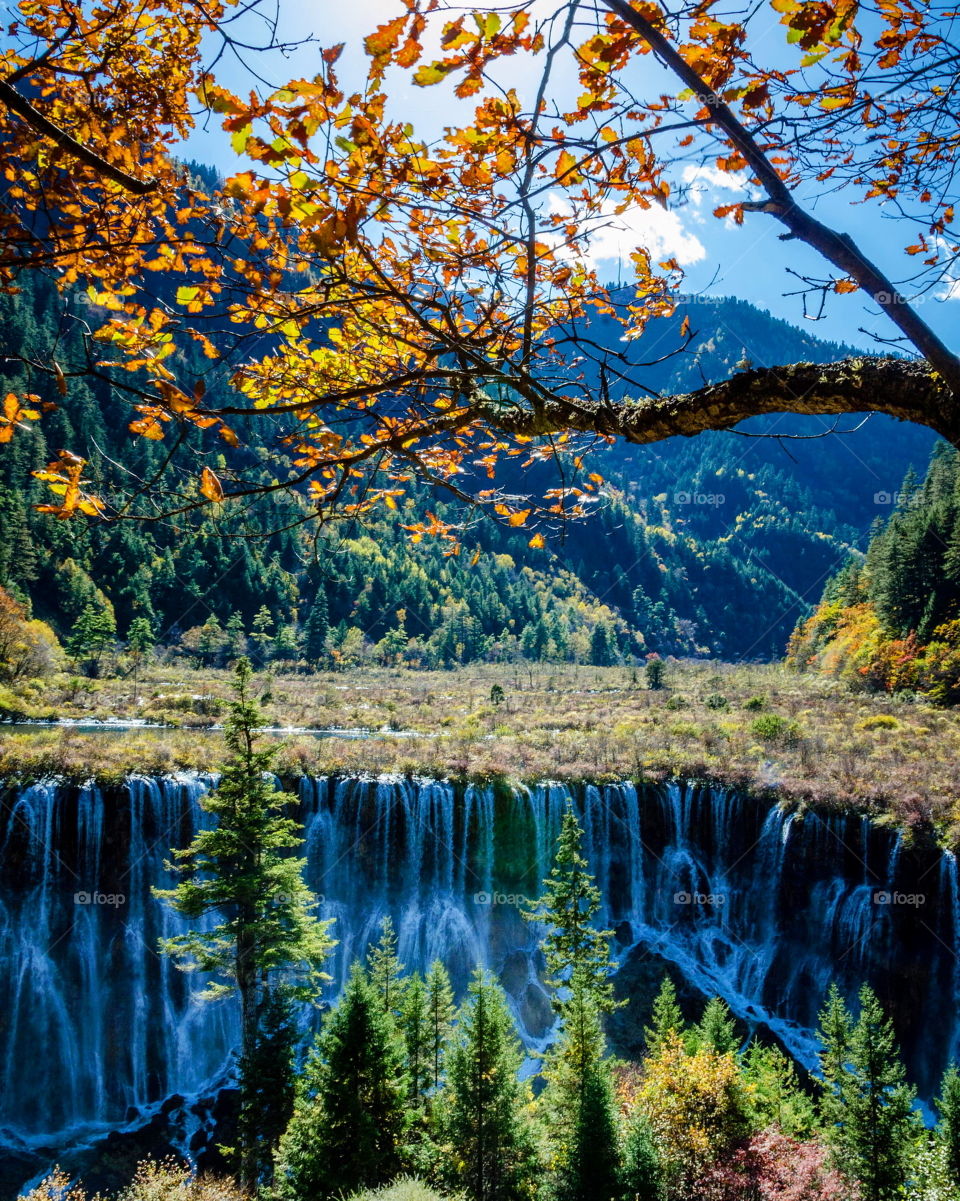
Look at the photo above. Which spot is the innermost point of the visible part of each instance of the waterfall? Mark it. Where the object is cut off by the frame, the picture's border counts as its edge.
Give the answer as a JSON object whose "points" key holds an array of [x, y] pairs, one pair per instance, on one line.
{"points": [[748, 901]]}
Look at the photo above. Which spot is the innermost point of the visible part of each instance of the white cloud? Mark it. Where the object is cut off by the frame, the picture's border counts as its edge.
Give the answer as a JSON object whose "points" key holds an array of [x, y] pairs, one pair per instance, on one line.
{"points": [[615, 236], [702, 180]]}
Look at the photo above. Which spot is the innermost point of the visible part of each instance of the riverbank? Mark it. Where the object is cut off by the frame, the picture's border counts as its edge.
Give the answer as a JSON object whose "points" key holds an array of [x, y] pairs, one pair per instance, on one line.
{"points": [[758, 727]]}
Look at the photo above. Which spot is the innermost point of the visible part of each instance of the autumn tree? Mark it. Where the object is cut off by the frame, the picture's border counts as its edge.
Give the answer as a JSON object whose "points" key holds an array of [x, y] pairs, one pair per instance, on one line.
{"points": [[426, 300]]}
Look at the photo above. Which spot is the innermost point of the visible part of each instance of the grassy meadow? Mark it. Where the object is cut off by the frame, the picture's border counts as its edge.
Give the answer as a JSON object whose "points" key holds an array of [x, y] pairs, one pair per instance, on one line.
{"points": [[763, 727]]}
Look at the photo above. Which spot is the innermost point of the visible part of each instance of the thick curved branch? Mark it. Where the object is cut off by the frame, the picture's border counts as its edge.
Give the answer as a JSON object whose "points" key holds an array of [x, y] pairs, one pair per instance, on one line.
{"points": [[21, 106], [838, 249], [905, 389]]}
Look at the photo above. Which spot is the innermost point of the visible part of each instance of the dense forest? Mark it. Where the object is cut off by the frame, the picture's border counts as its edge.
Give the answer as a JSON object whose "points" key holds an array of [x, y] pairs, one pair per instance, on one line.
{"points": [[685, 538], [891, 619]]}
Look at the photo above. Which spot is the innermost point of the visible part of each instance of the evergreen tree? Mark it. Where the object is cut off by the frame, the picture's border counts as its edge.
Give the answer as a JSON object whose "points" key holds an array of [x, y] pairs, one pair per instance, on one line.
{"points": [[241, 868], [440, 1014], [643, 1174], [92, 634], [139, 642], [666, 1018], [578, 1105], [316, 629], [717, 1029], [866, 1103], [415, 1026], [348, 1126], [573, 947], [655, 672], [602, 645], [262, 635], [285, 644], [948, 1126], [491, 1148], [776, 1096], [267, 1086], [386, 970], [578, 1099], [236, 639]]}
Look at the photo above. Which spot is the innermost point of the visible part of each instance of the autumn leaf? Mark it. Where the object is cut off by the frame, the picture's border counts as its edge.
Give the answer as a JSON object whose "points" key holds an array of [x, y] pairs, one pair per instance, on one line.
{"points": [[210, 486]]}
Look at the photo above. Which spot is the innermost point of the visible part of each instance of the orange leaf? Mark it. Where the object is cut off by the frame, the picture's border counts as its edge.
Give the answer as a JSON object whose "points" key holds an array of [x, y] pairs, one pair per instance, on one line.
{"points": [[210, 486]]}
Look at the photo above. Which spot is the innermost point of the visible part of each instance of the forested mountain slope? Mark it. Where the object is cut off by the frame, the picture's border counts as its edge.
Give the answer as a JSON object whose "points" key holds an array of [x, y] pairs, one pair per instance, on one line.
{"points": [[892, 621], [690, 537]]}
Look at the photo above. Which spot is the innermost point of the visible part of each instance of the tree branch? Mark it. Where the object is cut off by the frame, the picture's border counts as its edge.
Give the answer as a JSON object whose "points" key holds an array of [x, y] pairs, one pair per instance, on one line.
{"points": [[905, 389], [12, 99], [838, 249]]}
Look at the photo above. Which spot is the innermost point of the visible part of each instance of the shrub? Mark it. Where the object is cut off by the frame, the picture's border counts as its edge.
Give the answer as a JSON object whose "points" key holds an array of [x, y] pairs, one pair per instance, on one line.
{"points": [[716, 701], [880, 721], [405, 1189], [675, 702], [57, 1186], [169, 1180], [655, 672], [771, 727], [755, 703]]}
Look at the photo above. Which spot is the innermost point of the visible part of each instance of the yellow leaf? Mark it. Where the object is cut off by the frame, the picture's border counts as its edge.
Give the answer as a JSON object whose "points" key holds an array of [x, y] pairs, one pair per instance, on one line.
{"points": [[427, 75], [519, 518], [538, 541], [565, 164], [210, 486]]}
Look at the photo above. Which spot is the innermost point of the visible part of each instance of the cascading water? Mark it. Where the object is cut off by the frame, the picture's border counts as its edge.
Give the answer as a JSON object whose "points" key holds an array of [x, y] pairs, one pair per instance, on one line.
{"points": [[758, 905]]}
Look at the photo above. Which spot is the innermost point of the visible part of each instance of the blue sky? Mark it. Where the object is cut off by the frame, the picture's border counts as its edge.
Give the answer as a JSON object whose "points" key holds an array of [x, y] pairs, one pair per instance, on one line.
{"points": [[750, 261]]}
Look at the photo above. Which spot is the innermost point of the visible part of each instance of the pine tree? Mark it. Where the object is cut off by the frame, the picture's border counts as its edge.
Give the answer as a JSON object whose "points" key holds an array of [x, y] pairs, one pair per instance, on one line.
{"points": [[349, 1123], [717, 1029], [602, 645], [140, 640], [262, 634], [866, 1103], [269, 937], [92, 633], [948, 1126], [236, 643], [654, 672], [316, 629], [267, 1086], [578, 1105], [440, 1014], [415, 1027], [568, 907], [386, 970], [578, 1098], [643, 1175], [776, 1096], [666, 1018], [491, 1149]]}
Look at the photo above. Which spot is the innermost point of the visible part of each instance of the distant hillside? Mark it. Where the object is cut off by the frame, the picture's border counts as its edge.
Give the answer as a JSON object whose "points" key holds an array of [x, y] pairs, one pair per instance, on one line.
{"points": [[713, 545], [891, 622]]}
